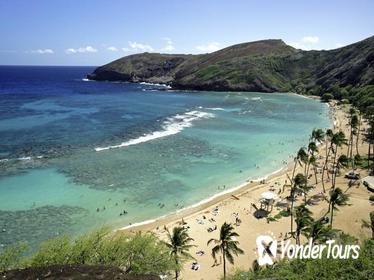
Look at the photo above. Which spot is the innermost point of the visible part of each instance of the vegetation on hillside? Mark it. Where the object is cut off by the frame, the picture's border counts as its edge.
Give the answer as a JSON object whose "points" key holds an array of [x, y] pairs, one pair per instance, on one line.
{"points": [[265, 66], [134, 254], [309, 269]]}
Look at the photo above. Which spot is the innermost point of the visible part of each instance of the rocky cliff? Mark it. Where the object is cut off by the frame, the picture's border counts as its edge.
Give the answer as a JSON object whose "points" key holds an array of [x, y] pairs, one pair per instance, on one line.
{"points": [[266, 66]]}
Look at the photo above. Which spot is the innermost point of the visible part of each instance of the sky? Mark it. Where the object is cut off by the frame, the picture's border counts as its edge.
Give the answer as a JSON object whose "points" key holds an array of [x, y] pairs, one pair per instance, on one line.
{"points": [[93, 32]]}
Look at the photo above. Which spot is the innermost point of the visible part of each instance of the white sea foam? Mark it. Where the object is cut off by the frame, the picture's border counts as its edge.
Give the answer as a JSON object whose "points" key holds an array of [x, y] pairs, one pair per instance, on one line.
{"points": [[140, 223], [86, 80], [24, 158], [171, 126], [244, 112], [21, 159], [155, 84], [256, 98], [216, 109]]}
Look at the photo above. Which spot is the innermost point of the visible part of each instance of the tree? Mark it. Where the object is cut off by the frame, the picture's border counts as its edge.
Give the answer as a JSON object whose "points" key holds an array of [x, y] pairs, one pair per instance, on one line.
{"points": [[337, 198], [329, 134], [353, 123], [142, 253], [301, 157], [178, 244], [342, 162], [337, 140], [312, 148], [317, 230], [358, 132], [370, 139], [314, 164], [318, 135], [324, 268], [298, 183], [327, 97], [303, 218], [369, 225], [226, 245]]}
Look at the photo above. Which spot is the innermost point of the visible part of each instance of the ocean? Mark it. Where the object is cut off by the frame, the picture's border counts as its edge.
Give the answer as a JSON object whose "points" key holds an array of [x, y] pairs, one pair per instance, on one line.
{"points": [[78, 154]]}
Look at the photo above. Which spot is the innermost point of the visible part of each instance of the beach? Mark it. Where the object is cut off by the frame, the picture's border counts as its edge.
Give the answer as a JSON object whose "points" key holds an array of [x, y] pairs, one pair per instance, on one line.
{"points": [[237, 204]]}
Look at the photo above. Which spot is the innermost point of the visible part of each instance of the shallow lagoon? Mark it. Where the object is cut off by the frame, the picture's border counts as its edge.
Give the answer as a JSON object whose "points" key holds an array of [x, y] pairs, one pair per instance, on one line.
{"points": [[163, 150]]}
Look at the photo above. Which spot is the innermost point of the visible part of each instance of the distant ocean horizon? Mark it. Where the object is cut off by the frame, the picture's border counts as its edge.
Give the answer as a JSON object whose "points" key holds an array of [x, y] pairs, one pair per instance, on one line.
{"points": [[78, 154]]}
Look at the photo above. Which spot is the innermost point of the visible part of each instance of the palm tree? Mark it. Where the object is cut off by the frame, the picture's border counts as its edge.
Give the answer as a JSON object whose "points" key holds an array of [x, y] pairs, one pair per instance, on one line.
{"points": [[337, 198], [351, 113], [370, 139], [342, 162], [329, 134], [338, 140], [298, 183], [317, 230], [312, 148], [318, 135], [301, 157], [227, 245], [314, 164], [358, 131], [369, 225], [354, 125], [178, 244], [303, 218]]}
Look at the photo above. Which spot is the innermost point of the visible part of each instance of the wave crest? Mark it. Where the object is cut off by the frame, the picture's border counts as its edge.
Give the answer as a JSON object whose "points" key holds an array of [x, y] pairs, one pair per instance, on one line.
{"points": [[171, 126]]}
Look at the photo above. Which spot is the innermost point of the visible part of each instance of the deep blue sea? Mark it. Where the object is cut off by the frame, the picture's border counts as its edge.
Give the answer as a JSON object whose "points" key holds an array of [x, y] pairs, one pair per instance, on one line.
{"points": [[76, 154]]}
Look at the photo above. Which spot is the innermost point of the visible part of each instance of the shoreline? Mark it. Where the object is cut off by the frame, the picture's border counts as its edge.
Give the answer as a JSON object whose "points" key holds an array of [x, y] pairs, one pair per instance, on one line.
{"points": [[206, 202], [203, 221], [239, 190]]}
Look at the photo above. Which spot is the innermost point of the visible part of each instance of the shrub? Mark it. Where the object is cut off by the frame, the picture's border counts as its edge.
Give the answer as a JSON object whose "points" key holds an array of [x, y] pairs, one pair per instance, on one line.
{"points": [[327, 97], [11, 257], [136, 254], [361, 268]]}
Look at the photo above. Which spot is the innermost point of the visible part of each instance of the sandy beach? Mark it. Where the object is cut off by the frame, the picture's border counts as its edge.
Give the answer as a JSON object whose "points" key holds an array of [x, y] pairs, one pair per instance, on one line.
{"points": [[238, 204]]}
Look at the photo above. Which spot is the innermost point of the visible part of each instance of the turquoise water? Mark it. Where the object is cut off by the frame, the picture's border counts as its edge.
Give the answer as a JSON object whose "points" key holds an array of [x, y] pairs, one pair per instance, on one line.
{"points": [[75, 154]]}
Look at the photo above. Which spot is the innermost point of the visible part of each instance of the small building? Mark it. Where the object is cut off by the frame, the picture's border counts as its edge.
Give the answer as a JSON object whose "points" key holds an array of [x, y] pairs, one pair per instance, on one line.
{"points": [[369, 183]]}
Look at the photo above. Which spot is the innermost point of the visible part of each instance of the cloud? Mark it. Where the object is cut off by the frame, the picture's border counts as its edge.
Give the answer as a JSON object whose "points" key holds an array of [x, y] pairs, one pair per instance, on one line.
{"points": [[138, 47], [113, 49], [88, 49], [210, 47], [310, 39], [298, 45], [305, 43], [43, 51], [169, 45]]}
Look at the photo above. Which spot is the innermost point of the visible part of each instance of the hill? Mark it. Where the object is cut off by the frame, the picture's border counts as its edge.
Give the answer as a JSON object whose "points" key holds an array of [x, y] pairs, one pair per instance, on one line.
{"points": [[266, 66]]}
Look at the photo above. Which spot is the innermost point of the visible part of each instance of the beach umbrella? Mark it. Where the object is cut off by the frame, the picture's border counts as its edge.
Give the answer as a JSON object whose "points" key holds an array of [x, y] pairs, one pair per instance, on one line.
{"points": [[269, 195]]}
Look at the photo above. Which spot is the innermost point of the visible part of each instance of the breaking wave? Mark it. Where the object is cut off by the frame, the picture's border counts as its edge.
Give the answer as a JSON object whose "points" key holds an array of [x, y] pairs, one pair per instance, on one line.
{"points": [[171, 126]]}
